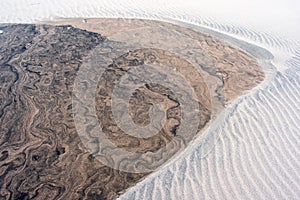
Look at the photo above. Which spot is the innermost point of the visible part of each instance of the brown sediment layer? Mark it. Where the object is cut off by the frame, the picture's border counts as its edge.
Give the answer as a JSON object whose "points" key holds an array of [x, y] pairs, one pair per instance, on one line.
{"points": [[42, 156], [147, 96], [224, 64]]}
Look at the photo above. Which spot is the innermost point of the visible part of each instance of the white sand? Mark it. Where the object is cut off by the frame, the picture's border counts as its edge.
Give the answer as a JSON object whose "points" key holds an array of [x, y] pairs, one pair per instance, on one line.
{"points": [[257, 154]]}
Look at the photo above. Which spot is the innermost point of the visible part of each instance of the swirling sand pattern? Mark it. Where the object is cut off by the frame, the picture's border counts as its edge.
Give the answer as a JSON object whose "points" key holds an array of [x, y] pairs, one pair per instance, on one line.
{"points": [[42, 156], [256, 156], [271, 117]]}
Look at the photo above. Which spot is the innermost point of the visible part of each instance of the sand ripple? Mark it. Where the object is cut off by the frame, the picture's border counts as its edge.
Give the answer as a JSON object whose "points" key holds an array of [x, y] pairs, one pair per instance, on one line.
{"points": [[255, 157], [257, 154]]}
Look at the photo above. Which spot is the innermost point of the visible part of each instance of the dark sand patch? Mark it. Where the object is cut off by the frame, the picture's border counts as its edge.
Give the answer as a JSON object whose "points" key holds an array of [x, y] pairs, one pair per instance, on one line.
{"points": [[42, 156]]}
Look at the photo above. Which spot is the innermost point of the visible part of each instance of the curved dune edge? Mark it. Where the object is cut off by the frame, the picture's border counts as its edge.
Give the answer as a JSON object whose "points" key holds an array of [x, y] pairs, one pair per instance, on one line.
{"points": [[61, 160]]}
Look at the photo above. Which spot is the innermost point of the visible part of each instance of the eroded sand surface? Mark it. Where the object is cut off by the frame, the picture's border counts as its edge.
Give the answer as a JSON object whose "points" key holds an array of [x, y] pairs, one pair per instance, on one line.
{"points": [[42, 154]]}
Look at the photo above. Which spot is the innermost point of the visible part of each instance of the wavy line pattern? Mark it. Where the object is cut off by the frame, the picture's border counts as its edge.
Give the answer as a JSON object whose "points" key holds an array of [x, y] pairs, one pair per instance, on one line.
{"points": [[256, 156]]}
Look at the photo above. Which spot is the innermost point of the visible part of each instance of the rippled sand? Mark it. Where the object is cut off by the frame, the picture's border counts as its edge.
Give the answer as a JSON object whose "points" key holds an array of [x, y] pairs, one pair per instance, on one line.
{"points": [[43, 149], [255, 154]]}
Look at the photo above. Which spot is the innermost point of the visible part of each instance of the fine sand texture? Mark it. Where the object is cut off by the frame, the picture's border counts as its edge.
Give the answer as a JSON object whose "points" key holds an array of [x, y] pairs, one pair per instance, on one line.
{"points": [[42, 154], [257, 150]]}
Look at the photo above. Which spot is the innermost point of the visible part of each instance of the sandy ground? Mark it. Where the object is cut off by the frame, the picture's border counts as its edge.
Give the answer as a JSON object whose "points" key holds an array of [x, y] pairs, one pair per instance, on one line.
{"points": [[256, 153], [186, 78], [121, 30]]}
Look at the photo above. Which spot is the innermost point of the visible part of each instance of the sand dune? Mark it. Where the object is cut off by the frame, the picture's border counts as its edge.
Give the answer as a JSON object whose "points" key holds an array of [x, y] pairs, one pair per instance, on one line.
{"points": [[217, 72], [257, 153]]}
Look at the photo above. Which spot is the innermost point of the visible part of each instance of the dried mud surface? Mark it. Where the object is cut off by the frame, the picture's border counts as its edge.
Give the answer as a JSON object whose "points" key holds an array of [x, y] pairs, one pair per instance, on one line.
{"points": [[42, 156]]}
